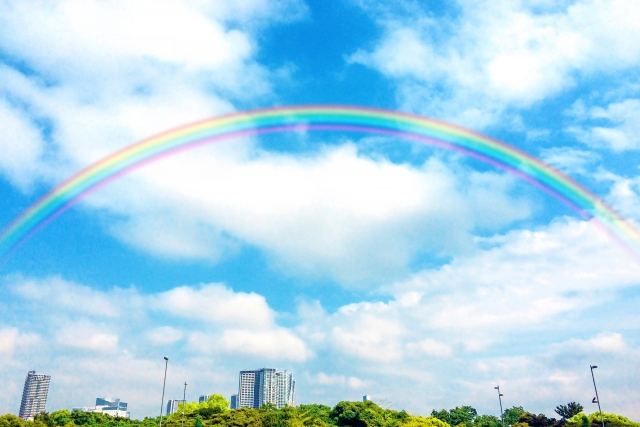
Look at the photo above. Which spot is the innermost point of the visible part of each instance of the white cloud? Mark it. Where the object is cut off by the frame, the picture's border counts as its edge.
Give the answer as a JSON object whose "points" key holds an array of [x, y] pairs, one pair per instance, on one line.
{"points": [[333, 380], [217, 304], [624, 193], [20, 144], [68, 296], [430, 347], [12, 340], [601, 343], [569, 160], [622, 132], [164, 335], [275, 344], [362, 219], [88, 337], [498, 55]]}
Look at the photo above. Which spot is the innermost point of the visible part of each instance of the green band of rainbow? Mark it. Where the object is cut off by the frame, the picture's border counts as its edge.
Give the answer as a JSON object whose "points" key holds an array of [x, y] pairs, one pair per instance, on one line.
{"points": [[329, 117]]}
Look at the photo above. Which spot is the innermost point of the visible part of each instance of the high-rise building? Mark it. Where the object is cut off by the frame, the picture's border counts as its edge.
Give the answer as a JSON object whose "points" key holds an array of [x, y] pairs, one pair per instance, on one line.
{"points": [[204, 398], [267, 385], [172, 406], [34, 395], [234, 402]]}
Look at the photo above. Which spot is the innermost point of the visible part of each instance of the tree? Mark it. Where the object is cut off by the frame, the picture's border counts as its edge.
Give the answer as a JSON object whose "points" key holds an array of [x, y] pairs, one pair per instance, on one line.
{"points": [[10, 420], [357, 414], [569, 410], [216, 402], [512, 415], [540, 420], [60, 418], [463, 414], [487, 421], [425, 422], [442, 415]]}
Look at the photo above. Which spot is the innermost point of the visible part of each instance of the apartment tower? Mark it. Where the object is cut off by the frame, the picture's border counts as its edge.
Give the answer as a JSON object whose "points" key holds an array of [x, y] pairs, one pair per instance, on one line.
{"points": [[34, 395], [267, 385]]}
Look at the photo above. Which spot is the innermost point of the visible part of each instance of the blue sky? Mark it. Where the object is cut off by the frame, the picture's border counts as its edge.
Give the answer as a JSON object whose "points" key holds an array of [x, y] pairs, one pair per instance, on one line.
{"points": [[364, 265]]}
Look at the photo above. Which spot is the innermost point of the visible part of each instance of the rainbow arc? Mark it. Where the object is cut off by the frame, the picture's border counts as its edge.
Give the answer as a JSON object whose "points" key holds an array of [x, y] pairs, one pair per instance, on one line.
{"points": [[317, 118]]}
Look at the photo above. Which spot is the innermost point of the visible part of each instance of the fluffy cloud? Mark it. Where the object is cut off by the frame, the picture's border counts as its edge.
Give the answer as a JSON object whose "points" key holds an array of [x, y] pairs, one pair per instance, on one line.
{"points": [[363, 219], [621, 133], [217, 304], [493, 56]]}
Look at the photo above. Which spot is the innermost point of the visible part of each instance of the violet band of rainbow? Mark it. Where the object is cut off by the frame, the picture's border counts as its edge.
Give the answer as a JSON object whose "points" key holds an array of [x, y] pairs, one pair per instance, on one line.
{"points": [[321, 117]]}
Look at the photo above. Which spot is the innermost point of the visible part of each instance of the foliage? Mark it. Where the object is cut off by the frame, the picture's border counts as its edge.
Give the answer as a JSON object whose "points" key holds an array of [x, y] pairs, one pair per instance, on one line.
{"points": [[569, 410], [593, 420], [214, 413], [425, 422], [512, 415], [11, 421], [533, 420], [365, 414], [487, 421]]}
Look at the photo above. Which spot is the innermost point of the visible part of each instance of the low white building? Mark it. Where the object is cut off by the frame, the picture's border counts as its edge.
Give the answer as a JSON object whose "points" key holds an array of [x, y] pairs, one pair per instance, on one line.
{"points": [[110, 406]]}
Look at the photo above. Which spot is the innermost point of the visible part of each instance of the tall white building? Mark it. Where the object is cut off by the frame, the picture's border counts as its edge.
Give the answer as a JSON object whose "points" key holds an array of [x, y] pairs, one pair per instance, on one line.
{"points": [[267, 385], [34, 395], [172, 406]]}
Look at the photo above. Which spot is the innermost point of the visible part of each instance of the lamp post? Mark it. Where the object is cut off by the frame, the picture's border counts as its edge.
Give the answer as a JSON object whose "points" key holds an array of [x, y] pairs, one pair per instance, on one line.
{"points": [[596, 399], [500, 400], [184, 401], [166, 363]]}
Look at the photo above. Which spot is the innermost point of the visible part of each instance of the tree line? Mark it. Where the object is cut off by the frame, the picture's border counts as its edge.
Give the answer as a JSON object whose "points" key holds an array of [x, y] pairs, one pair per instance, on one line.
{"points": [[215, 412]]}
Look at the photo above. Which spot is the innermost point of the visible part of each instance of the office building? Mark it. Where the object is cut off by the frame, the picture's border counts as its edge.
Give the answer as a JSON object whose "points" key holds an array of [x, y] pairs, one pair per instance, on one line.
{"points": [[34, 395], [366, 397], [172, 406], [267, 385], [108, 405], [234, 401], [204, 398]]}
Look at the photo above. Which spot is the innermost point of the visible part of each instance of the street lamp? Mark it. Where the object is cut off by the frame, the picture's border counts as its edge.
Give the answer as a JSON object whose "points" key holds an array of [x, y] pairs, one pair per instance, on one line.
{"points": [[500, 399], [166, 363], [596, 399], [184, 401]]}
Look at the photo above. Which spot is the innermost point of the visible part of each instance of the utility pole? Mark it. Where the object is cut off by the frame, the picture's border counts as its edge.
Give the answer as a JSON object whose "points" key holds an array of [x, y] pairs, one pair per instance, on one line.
{"points": [[500, 399], [166, 363], [184, 401], [596, 399]]}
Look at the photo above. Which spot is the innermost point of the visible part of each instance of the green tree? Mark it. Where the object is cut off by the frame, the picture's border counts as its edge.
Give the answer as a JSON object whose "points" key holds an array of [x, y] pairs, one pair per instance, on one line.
{"points": [[10, 420], [424, 422], [569, 410], [357, 414], [216, 402], [60, 418], [533, 420], [487, 421], [593, 420], [462, 414], [512, 415], [442, 415]]}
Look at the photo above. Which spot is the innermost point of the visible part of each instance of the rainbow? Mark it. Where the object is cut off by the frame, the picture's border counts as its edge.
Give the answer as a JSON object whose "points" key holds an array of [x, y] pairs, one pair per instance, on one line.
{"points": [[320, 117]]}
